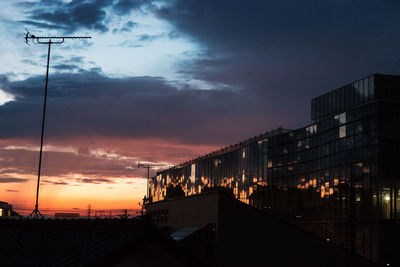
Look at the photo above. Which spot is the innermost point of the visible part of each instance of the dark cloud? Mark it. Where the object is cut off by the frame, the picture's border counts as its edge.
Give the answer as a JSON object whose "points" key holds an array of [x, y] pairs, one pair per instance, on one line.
{"points": [[44, 25], [123, 7], [150, 38], [126, 27], [12, 180], [12, 191], [73, 64], [77, 59], [96, 181], [130, 43], [89, 103], [55, 182], [82, 14], [67, 67], [287, 51], [72, 16], [30, 62]]}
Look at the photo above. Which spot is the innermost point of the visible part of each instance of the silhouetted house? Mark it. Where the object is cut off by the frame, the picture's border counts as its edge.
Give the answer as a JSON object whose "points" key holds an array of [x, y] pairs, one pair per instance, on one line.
{"points": [[103, 242], [222, 231], [6, 210], [336, 177]]}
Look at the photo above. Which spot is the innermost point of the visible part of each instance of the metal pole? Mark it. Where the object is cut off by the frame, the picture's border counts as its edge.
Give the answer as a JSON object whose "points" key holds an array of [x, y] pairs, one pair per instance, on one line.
{"points": [[36, 211], [148, 166], [38, 40], [148, 175]]}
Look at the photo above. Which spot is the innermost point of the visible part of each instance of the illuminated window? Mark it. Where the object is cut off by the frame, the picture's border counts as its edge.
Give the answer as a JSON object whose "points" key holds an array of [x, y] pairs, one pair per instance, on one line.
{"points": [[342, 118], [342, 131], [269, 164], [1, 212], [193, 173]]}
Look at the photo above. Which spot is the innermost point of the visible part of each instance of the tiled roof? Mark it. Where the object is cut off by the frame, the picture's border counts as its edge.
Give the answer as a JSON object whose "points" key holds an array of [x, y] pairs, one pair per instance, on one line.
{"points": [[70, 242]]}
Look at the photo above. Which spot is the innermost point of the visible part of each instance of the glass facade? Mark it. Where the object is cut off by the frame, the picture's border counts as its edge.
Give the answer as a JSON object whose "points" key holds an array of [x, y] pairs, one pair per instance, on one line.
{"points": [[336, 177]]}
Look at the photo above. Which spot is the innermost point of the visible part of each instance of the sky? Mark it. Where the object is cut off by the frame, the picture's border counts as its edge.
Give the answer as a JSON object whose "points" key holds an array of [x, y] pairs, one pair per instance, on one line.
{"points": [[163, 81]]}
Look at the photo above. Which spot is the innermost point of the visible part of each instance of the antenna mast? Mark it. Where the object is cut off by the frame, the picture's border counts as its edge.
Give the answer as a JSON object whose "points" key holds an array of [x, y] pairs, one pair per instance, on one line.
{"points": [[49, 40], [148, 167]]}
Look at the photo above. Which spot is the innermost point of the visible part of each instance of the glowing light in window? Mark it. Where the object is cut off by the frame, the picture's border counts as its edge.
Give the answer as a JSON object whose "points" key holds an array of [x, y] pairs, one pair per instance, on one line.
{"points": [[193, 173], [342, 131]]}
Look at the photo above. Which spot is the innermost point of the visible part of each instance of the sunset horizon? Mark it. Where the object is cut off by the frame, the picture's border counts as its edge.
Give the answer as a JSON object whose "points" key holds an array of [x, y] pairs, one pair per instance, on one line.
{"points": [[162, 82]]}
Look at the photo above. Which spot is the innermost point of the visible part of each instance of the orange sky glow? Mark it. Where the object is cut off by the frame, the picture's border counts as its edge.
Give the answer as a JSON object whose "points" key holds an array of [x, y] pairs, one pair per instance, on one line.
{"points": [[78, 172]]}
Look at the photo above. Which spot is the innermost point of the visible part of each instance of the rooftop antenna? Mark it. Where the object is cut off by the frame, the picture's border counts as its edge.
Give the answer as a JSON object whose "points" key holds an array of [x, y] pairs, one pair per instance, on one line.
{"points": [[148, 167], [48, 40]]}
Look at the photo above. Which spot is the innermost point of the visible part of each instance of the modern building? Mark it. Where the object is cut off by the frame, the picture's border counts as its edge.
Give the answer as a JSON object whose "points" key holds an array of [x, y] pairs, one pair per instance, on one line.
{"points": [[337, 177]]}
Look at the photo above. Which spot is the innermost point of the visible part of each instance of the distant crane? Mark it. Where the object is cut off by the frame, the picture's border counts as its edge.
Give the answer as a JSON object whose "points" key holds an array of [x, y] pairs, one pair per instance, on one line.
{"points": [[49, 41]]}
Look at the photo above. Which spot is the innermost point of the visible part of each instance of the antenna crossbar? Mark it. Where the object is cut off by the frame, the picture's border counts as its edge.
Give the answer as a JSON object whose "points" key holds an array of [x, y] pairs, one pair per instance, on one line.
{"points": [[32, 37]]}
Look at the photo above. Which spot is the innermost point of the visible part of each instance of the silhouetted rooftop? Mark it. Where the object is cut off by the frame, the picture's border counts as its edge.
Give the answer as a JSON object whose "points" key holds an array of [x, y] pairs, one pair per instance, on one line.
{"points": [[86, 242]]}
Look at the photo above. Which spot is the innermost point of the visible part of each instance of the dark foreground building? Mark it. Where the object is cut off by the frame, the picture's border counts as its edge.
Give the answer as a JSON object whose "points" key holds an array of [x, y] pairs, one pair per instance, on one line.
{"points": [[336, 177], [221, 231], [100, 242]]}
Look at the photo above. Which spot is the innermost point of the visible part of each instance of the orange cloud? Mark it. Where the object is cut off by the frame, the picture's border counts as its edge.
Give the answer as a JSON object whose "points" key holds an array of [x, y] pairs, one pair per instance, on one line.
{"points": [[78, 172]]}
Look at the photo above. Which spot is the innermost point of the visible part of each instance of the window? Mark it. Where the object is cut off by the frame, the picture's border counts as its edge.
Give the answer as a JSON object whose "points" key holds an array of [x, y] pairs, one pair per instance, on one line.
{"points": [[371, 87], [1, 212], [365, 91], [342, 97], [356, 88], [342, 131], [342, 118], [350, 143], [360, 91], [336, 101], [348, 97], [351, 95], [330, 103], [358, 127]]}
